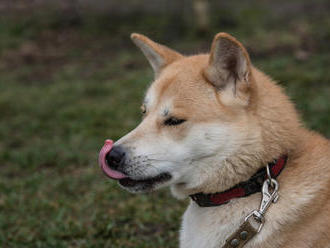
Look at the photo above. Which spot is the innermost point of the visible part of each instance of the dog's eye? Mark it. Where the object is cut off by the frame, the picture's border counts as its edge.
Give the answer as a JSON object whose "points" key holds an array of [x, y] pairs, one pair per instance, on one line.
{"points": [[173, 121], [143, 109]]}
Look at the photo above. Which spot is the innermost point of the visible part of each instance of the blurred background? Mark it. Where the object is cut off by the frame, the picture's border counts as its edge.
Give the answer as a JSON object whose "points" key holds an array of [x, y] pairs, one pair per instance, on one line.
{"points": [[70, 77]]}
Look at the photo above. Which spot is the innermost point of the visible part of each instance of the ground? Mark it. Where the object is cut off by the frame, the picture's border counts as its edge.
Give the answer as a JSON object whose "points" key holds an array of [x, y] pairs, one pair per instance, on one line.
{"points": [[66, 86]]}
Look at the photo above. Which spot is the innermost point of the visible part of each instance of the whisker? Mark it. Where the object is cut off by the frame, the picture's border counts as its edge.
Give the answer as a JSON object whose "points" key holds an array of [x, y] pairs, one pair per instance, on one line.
{"points": [[163, 160]]}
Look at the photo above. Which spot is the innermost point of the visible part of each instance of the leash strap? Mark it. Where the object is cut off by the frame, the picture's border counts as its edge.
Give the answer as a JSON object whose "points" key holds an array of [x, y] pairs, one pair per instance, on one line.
{"points": [[243, 235]]}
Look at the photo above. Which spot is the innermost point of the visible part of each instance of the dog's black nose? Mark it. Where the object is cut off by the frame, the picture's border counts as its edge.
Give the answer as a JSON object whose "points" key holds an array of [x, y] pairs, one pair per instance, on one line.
{"points": [[115, 157]]}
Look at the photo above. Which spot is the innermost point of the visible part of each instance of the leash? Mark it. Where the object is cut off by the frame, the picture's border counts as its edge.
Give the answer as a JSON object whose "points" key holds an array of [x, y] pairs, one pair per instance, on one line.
{"points": [[265, 181], [247, 231]]}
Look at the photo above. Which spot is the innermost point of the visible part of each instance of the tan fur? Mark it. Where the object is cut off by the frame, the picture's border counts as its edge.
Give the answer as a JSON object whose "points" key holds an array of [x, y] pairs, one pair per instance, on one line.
{"points": [[258, 107], [158, 55]]}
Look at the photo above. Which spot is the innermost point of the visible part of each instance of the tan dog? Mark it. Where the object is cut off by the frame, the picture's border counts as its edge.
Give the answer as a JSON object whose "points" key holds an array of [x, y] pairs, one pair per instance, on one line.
{"points": [[212, 121]]}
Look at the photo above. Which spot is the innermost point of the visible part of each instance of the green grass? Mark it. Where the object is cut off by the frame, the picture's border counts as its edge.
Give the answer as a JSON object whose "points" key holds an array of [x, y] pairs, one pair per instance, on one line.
{"points": [[53, 193], [60, 100]]}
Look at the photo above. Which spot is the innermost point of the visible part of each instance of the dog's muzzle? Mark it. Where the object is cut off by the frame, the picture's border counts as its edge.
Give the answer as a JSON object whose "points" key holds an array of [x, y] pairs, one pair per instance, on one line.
{"points": [[112, 160]]}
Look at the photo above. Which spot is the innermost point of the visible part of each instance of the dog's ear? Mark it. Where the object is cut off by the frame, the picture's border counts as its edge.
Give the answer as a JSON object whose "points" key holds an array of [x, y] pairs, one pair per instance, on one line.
{"points": [[229, 68], [159, 56]]}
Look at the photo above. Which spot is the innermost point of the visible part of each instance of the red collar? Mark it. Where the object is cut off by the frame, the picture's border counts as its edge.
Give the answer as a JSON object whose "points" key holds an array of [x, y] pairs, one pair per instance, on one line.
{"points": [[243, 189]]}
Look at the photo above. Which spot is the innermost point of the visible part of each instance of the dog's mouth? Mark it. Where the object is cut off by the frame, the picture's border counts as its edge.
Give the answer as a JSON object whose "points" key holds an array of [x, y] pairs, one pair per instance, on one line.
{"points": [[125, 180], [145, 183]]}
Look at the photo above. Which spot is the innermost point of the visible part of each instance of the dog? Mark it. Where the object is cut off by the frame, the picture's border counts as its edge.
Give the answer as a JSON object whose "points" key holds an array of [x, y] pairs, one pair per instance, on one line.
{"points": [[218, 130]]}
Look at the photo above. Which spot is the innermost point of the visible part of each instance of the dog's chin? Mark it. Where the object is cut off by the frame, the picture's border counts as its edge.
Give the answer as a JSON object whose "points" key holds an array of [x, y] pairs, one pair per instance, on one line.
{"points": [[145, 185]]}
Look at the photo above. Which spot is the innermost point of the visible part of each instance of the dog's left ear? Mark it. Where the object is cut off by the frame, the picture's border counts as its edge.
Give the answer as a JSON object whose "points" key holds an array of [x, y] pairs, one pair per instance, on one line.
{"points": [[229, 69], [159, 56]]}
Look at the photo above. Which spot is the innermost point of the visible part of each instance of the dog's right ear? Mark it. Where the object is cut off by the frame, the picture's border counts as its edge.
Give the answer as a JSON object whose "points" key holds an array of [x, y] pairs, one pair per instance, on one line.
{"points": [[159, 56]]}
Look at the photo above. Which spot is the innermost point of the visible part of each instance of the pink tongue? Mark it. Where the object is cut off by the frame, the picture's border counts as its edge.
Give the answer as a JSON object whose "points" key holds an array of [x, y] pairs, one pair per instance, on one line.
{"points": [[103, 164]]}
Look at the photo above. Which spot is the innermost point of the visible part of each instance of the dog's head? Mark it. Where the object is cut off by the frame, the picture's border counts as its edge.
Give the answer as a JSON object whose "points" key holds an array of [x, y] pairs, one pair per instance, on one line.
{"points": [[195, 115]]}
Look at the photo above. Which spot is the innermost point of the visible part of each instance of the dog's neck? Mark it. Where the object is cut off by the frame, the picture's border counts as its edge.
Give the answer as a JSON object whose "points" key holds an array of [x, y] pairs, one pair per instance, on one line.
{"points": [[280, 132]]}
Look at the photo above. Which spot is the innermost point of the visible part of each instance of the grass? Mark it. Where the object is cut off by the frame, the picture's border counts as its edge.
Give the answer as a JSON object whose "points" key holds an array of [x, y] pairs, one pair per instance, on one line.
{"points": [[62, 92]]}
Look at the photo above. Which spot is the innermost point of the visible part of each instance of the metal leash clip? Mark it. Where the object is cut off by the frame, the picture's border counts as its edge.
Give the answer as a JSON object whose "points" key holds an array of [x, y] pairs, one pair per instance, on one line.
{"points": [[269, 195]]}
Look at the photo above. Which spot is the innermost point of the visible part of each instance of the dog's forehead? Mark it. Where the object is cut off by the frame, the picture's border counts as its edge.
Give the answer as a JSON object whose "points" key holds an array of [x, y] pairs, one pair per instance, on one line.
{"points": [[179, 83]]}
